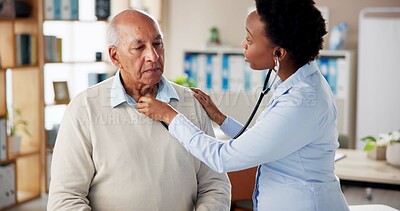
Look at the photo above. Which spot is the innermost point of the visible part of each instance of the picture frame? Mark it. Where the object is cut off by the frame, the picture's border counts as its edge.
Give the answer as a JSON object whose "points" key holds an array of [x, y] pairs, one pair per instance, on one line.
{"points": [[61, 93], [7, 9]]}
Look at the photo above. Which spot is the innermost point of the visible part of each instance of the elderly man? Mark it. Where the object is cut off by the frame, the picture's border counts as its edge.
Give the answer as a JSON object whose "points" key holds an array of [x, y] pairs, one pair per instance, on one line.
{"points": [[108, 156]]}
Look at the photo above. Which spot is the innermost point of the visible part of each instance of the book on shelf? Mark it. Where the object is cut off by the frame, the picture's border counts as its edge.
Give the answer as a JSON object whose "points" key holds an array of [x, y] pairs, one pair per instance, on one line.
{"points": [[25, 45], [334, 71], [69, 9], [233, 69], [49, 9], [203, 69], [226, 72], [7, 9], [49, 156], [61, 9], [53, 49], [7, 184], [94, 78], [57, 9], [52, 136], [3, 139], [102, 9]]}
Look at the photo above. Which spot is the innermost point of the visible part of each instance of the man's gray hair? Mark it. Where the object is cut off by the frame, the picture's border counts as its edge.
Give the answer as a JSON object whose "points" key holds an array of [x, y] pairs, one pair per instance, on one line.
{"points": [[112, 34]]}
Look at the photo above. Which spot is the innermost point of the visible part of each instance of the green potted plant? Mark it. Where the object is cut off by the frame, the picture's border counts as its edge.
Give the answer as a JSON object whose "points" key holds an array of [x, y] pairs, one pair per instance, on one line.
{"points": [[16, 124], [184, 80], [393, 148], [386, 146]]}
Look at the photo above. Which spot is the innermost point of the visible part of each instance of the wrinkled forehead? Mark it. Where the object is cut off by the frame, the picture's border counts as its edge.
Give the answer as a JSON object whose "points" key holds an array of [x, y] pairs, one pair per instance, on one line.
{"points": [[138, 26]]}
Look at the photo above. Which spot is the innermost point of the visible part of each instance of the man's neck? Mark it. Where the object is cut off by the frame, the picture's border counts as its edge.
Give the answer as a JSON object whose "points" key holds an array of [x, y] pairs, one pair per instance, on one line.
{"points": [[137, 92]]}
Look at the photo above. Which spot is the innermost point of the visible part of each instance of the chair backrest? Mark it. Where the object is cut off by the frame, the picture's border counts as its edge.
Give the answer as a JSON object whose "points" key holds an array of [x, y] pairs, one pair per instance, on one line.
{"points": [[242, 183]]}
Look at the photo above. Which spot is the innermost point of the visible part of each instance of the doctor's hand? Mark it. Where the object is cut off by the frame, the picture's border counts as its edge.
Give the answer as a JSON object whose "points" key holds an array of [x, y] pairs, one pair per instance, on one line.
{"points": [[156, 109], [212, 110]]}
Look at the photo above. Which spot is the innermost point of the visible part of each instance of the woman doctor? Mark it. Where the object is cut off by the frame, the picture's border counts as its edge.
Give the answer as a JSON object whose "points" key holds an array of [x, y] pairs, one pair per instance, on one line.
{"points": [[294, 140]]}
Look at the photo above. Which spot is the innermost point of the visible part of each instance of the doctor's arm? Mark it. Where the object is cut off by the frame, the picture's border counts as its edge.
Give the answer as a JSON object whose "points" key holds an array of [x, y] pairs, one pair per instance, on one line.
{"points": [[276, 135], [214, 189], [283, 130]]}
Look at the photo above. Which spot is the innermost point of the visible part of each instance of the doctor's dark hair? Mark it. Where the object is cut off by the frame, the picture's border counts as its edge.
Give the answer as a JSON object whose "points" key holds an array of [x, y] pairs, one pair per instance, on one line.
{"points": [[296, 25]]}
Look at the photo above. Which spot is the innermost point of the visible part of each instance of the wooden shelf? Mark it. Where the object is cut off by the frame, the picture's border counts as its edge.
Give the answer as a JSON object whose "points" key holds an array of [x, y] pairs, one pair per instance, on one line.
{"points": [[25, 87], [76, 62], [55, 104], [22, 67], [77, 21], [7, 161], [24, 196], [13, 156], [28, 19]]}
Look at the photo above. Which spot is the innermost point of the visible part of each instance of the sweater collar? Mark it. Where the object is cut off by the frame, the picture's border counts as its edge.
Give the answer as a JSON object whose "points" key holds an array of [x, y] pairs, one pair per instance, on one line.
{"points": [[118, 94]]}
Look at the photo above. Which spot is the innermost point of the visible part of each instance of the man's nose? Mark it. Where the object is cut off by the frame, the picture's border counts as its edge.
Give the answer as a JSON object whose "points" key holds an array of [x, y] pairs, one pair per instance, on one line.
{"points": [[152, 54]]}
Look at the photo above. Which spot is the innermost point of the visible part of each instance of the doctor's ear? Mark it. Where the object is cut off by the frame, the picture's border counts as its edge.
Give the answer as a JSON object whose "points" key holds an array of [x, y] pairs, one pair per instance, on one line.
{"points": [[279, 52]]}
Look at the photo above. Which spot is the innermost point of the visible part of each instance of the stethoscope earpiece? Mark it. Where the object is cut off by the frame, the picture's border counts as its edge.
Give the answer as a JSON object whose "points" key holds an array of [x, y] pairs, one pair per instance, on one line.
{"points": [[277, 65]]}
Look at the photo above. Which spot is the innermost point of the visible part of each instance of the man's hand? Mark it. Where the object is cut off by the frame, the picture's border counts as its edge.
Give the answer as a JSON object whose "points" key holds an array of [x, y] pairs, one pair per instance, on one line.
{"points": [[156, 109]]}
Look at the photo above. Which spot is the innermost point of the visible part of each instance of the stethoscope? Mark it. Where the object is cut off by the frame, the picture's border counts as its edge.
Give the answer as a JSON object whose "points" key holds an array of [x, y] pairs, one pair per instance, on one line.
{"points": [[264, 92]]}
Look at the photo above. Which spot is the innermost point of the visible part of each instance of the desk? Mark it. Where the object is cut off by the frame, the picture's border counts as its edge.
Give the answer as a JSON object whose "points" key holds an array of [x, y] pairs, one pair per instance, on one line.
{"points": [[371, 207], [356, 169]]}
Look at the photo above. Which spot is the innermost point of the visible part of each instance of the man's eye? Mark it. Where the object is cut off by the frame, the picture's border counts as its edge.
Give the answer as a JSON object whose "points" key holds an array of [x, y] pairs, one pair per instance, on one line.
{"points": [[158, 44], [138, 48]]}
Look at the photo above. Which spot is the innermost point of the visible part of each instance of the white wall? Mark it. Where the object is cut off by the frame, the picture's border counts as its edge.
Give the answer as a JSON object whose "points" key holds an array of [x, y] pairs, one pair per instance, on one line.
{"points": [[187, 23], [378, 102]]}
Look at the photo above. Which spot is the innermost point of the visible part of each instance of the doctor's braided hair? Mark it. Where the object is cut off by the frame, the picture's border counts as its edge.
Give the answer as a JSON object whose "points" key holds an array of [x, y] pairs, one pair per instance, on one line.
{"points": [[296, 25]]}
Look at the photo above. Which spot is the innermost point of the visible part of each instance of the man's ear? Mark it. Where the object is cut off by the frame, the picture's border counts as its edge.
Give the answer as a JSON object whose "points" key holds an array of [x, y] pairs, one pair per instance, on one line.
{"points": [[112, 51]]}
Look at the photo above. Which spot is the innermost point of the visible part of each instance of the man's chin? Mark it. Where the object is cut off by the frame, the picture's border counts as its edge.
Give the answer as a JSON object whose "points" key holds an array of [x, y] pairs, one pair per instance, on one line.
{"points": [[153, 78]]}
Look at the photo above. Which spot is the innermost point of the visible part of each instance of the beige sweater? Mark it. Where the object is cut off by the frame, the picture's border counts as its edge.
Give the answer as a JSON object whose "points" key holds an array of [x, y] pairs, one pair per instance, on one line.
{"points": [[117, 159]]}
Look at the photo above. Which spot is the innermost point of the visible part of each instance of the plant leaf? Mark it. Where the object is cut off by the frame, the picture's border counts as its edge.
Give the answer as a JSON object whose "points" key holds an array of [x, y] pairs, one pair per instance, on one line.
{"points": [[369, 146], [369, 138]]}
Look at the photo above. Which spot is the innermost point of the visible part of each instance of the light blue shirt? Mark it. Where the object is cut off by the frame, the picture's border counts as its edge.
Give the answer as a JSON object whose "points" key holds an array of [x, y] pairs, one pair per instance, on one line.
{"points": [[293, 144], [118, 94]]}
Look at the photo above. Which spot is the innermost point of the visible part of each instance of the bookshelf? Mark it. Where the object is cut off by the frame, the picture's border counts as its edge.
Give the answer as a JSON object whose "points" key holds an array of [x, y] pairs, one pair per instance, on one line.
{"points": [[20, 82], [222, 70], [341, 76], [70, 58], [7, 166]]}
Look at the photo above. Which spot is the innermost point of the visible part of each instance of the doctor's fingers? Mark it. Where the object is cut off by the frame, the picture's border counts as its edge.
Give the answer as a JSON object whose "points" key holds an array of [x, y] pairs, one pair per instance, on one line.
{"points": [[204, 101], [199, 92], [200, 95], [195, 90]]}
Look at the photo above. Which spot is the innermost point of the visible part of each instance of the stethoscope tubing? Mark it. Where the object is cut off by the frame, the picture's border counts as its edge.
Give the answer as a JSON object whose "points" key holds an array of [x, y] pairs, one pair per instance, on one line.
{"points": [[262, 94]]}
